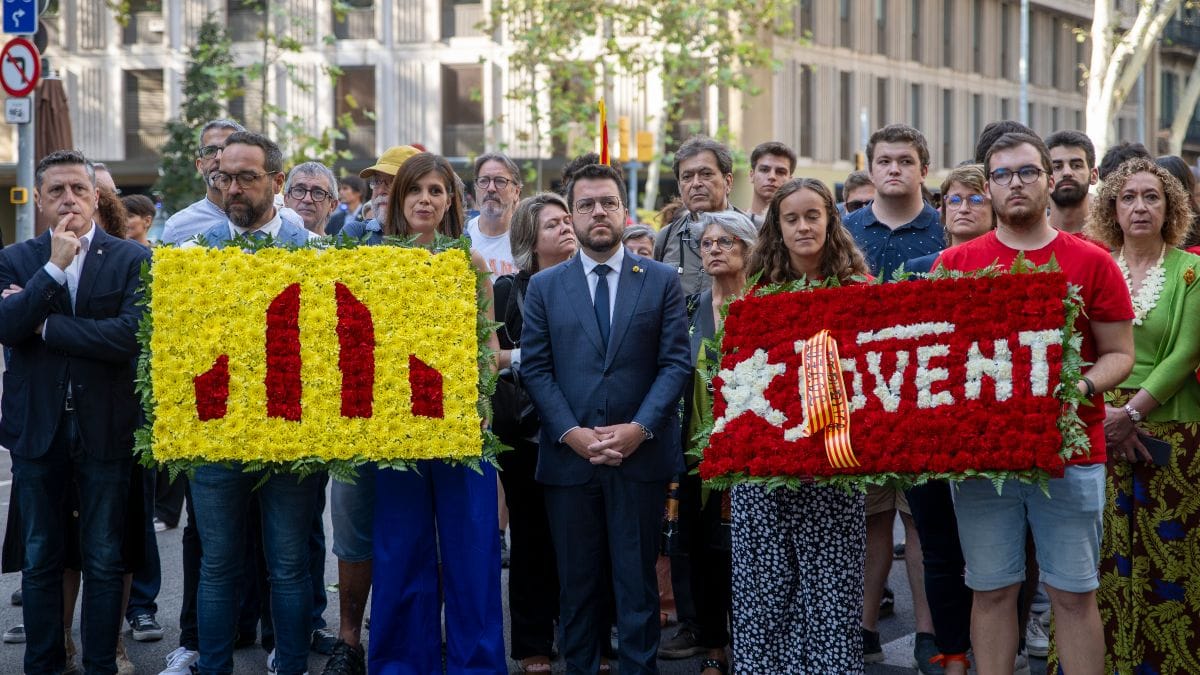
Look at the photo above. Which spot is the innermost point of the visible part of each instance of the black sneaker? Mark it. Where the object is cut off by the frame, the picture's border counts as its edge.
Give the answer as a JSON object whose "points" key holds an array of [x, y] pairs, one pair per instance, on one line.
{"points": [[872, 650], [323, 641], [145, 628], [346, 660], [683, 645], [887, 603]]}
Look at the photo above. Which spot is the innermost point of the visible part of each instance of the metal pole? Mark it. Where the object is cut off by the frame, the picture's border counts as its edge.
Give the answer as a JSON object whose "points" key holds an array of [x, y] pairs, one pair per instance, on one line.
{"points": [[25, 150], [1141, 108], [1023, 66], [632, 168]]}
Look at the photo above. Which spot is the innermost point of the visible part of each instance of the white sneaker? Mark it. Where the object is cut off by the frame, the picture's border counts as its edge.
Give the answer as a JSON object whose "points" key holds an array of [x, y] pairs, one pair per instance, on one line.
{"points": [[271, 664], [1021, 665], [1037, 642], [182, 661]]}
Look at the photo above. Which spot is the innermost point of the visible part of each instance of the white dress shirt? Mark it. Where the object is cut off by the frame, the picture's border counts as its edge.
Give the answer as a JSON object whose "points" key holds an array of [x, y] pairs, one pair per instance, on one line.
{"points": [[589, 270], [70, 276]]}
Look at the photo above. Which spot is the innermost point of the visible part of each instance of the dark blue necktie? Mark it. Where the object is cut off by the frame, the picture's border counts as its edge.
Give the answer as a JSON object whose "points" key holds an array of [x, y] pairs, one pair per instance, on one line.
{"points": [[600, 302]]}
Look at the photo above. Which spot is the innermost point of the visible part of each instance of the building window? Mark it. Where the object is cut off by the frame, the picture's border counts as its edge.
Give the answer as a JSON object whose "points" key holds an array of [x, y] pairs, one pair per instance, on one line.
{"points": [[462, 110], [809, 111], [914, 102], [1077, 71], [248, 108], [915, 31], [1006, 38], [246, 19], [948, 34], [1056, 66], [976, 115], [1079, 119], [145, 25], [948, 128], [354, 20], [356, 98], [977, 39], [802, 17], [460, 18], [846, 90], [145, 114], [881, 102], [1005, 109], [847, 28], [881, 33], [1169, 89]]}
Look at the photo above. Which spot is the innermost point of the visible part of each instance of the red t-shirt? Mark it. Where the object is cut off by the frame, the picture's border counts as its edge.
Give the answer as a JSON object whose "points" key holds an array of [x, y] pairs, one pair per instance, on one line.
{"points": [[1105, 298]]}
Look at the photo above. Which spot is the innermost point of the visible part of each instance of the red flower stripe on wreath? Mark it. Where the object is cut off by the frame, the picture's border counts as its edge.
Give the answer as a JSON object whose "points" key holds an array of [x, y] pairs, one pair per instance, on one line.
{"points": [[283, 355], [212, 390], [426, 384], [942, 376], [356, 356]]}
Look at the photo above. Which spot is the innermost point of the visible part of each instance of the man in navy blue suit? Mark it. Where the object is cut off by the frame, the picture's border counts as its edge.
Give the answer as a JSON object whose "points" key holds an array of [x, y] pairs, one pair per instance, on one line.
{"points": [[605, 359], [69, 311]]}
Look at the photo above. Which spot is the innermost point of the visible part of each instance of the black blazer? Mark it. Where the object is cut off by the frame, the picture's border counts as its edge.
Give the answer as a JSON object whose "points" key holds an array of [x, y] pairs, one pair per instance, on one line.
{"points": [[93, 348]]}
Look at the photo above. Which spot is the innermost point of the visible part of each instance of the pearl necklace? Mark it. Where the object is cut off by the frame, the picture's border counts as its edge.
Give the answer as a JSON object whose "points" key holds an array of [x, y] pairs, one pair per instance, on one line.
{"points": [[1147, 295]]}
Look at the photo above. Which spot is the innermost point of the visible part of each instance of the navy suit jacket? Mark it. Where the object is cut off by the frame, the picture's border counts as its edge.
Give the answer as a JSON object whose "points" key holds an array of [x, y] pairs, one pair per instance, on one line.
{"points": [[573, 381], [290, 234], [93, 348]]}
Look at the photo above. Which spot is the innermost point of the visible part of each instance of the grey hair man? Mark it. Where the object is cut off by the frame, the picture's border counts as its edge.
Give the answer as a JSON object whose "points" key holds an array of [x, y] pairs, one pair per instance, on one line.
{"points": [[207, 211], [704, 169], [311, 191], [497, 191]]}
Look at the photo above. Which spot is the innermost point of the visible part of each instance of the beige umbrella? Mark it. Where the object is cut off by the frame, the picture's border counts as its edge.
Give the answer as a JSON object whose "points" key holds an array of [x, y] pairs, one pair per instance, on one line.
{"points": [[52, 127]]}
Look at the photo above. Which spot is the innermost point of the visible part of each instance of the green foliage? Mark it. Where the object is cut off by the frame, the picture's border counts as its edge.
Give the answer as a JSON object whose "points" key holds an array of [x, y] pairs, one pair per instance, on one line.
{"points": [[210, 79], [692, 44]]}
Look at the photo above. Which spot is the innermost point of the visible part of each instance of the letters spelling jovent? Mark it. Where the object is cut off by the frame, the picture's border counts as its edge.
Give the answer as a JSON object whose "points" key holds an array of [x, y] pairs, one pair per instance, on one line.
{"points": [[941, 377], [340, 354]]}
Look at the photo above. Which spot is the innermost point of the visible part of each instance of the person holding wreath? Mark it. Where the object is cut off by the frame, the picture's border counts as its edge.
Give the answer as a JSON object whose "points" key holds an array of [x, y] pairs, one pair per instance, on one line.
{"points": [[1148, 566], [799, 555]]}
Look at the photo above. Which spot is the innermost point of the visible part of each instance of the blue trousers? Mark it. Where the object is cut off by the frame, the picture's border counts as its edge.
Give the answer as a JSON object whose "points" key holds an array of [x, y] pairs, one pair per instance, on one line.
{"points": [[418, 514], [222, 496], [42, 485]]}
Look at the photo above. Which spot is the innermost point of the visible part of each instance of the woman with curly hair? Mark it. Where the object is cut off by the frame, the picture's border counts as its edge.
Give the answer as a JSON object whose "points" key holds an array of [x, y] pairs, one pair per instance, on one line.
{"points": [[1149, 568], [799, 555]]}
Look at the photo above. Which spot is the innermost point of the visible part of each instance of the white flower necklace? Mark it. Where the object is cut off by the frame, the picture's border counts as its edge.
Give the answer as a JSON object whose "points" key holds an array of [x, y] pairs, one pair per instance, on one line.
{"points": [[1147, 295]]}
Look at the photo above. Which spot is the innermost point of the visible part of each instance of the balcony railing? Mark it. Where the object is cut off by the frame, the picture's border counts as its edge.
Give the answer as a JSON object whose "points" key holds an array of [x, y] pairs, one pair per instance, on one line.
{"points": [[355, 24], [1183, 31], [244, 25], [463, 140], [144, 28], [144, 143], [460, 20]]}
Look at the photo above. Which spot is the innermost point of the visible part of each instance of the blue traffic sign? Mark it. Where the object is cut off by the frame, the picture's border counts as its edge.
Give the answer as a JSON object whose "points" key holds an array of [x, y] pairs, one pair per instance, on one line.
{"points": [[20, 16]]}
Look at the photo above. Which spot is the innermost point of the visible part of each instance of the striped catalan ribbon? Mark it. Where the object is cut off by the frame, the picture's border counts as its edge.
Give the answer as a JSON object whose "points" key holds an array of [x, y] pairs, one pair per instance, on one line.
{"points": [[825, 404]]}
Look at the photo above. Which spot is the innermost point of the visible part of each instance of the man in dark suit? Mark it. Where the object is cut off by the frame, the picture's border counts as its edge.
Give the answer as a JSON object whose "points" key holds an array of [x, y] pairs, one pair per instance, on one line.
{"points": [[605, 359], [70, 313]]}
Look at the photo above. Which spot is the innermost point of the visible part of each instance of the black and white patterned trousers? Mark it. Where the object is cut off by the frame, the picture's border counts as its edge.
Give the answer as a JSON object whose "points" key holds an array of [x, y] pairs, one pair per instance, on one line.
{"points": [[798, 561]]}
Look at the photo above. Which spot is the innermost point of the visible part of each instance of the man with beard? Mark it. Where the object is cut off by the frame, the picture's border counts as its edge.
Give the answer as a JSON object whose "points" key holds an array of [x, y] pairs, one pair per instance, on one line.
{"points": [[250, 173], [497, 191], [311, 191], [605, 358], [704, 169], [209, 209], [1065, 520], [1073, 160], [771, 165]]}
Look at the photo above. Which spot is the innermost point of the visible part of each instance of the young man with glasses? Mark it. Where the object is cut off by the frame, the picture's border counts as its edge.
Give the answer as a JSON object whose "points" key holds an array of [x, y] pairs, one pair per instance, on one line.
{"points": [[311, 191], [1065, 521], [208, 210], [497, 191]]}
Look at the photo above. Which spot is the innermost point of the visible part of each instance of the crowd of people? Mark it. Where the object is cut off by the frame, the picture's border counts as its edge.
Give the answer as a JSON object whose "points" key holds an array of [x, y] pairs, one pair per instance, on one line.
{"points": [[600, 348]]}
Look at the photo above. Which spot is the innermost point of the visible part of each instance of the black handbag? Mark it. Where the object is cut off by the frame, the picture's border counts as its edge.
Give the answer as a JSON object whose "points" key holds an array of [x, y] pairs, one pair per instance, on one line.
{"points": [[513, 413]]}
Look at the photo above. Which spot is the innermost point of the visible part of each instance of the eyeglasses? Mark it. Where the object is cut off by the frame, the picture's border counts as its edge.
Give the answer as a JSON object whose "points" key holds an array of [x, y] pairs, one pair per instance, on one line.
{"points": [[586, 206], [1027, 174], [318, 195], [856, 204], [244, 180], [722, 243], [956, 201], [376, 184], [499, 182], [210, 151]]}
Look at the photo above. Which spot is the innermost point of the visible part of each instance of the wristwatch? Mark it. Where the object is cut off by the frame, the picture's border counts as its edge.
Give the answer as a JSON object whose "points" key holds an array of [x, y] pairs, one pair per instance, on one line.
{"points": [[646, 433], [1133, 413]]}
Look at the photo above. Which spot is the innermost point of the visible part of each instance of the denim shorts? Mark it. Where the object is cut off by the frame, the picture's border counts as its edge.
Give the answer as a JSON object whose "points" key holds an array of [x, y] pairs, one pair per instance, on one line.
{"points": [[1066, 528], [352, 509]]}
